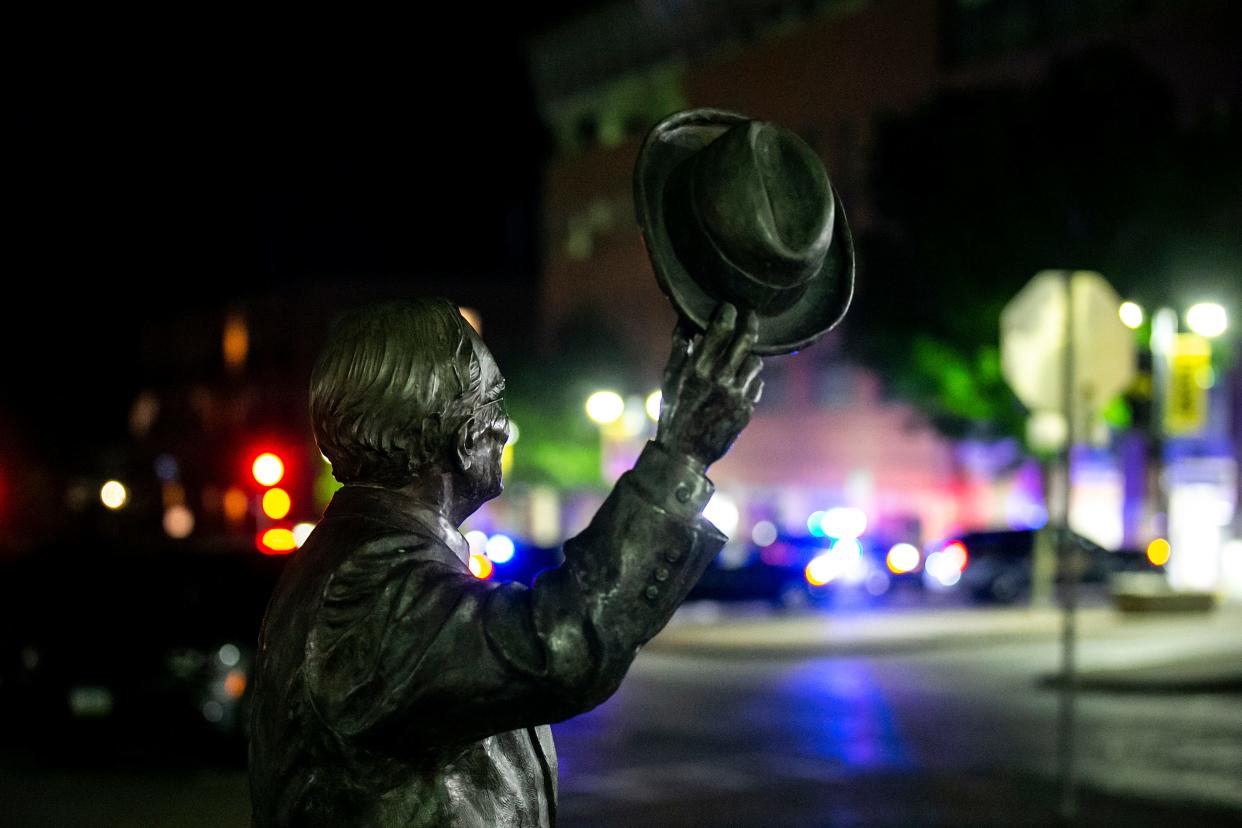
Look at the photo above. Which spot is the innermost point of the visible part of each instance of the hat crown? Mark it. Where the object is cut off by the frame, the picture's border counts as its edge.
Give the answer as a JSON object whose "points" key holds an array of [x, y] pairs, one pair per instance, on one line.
{"points": [[733, 210], [762, 196]]}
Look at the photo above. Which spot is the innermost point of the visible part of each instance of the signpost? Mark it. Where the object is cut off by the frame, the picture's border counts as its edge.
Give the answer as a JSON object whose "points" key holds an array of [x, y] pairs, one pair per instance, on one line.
{"points": [[1064, 349], [1186, 404], [1035, 347]]}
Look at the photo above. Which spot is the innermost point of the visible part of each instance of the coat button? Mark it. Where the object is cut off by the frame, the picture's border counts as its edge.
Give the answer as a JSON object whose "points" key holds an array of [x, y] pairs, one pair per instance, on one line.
{"points": [[683, 493], [653, 592], [672, 555], [661, 574]]}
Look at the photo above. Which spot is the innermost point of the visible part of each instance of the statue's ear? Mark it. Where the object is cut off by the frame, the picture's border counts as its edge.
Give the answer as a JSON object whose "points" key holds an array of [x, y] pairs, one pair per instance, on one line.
{"points": [[464, 444]]}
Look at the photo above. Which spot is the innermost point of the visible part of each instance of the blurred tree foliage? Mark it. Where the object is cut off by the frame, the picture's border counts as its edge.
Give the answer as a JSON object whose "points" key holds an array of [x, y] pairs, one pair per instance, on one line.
{"points": [[546, 393], [1092, 167]]}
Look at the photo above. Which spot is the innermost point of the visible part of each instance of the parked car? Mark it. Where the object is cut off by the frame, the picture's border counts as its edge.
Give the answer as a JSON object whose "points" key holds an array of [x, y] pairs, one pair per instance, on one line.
{"points": [[796, 571], [117, 651], [996, 566]]}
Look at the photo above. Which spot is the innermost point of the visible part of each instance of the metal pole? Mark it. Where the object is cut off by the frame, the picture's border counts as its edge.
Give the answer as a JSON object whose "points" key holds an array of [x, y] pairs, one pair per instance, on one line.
{"points": [[1069, 576]]}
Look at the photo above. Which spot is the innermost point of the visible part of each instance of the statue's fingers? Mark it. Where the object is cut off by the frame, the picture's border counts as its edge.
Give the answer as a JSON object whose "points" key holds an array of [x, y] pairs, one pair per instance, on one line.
{"points": [[674, 370], [683, 347], [719, 333], [754, 391], [749, 372], [743, 341]]}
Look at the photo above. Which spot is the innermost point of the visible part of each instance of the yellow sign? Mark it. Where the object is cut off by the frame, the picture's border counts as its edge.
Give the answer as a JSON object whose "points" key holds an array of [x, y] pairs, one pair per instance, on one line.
{"points": [[1190, 376]]}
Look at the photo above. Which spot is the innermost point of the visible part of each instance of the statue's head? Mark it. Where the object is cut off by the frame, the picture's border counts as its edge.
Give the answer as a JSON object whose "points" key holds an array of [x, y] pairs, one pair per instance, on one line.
{"points": [[406, 389]]}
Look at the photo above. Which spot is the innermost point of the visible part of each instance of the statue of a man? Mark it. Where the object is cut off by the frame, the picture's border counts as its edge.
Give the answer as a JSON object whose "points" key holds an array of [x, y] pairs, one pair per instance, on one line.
{"points": [[395, 689]]}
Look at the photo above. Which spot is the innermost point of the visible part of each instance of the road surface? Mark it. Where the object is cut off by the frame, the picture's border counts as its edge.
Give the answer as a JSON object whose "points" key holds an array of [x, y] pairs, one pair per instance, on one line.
{"points": [[822, 721]]}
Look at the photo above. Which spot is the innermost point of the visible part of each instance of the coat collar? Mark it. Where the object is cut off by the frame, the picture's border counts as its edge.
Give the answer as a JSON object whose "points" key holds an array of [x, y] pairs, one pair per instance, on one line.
{"points": [[398, 511]]}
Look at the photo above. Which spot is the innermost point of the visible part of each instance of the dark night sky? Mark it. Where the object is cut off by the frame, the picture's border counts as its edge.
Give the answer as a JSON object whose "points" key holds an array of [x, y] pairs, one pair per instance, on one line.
{"points": [[145, 178]]}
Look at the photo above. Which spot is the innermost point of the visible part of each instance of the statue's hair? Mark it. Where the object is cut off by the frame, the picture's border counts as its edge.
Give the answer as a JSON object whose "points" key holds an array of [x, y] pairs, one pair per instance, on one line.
{"points": [[392, 387]]}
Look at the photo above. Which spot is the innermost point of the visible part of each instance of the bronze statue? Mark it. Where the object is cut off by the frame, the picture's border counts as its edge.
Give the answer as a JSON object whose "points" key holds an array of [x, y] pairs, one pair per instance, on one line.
{"points": [[395, 689]]}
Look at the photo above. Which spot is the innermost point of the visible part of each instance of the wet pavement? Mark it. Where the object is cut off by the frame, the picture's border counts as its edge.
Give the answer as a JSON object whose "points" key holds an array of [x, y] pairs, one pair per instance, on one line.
{"points": [[958, 730]]}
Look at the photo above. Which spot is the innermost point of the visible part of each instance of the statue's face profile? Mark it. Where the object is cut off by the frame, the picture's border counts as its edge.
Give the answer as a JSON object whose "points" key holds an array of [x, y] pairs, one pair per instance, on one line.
{"points": [[407, 392], [491, 428]]}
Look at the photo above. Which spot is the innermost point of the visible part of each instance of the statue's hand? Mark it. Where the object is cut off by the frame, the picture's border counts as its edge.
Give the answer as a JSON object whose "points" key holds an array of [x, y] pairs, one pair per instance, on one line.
{"points": [[711, 385]]}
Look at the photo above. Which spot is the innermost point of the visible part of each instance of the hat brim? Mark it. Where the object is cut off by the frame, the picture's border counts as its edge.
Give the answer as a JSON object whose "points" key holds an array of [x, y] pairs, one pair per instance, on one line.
{"points": [[828, 292]]}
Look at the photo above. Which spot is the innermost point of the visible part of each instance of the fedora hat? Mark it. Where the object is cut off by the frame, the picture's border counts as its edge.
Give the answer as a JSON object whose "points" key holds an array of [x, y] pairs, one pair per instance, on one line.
{"points": [[741, 211]]}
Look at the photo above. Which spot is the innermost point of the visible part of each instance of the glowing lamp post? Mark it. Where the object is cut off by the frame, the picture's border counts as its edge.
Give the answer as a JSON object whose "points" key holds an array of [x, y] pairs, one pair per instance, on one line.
{"points": [[605, 407], [113, 495], [1207, 319], [620, 422]]}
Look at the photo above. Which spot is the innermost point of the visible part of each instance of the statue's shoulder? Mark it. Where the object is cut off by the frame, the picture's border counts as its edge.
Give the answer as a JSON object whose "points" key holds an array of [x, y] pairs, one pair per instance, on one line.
{"points": [[366, 542]]}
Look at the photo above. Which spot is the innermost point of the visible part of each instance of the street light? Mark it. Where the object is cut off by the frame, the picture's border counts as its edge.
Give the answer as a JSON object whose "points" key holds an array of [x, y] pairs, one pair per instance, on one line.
{"points": [[1131, 314], [113, 494], [1207, 319], [654, 400], [605, 407]]}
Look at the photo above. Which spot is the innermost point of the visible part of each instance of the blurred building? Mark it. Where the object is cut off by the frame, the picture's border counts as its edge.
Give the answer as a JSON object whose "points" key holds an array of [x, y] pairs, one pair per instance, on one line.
{"points": [[220, 386], [824, 434]]}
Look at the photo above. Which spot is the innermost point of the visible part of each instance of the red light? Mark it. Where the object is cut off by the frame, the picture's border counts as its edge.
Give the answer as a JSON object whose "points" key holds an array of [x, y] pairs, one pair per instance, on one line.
{"points": [[481, 567], [276, 541], [956, 552], [268, 469]]}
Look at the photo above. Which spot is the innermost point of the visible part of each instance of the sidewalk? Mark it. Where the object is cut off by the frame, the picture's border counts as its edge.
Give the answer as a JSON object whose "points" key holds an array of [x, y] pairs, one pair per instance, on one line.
{"points": [[913, 630], [878, 632], [1195, 674]]}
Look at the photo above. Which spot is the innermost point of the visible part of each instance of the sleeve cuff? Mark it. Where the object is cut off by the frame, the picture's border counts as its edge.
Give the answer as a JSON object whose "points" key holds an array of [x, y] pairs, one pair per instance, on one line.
{"points": [[671, 482]]}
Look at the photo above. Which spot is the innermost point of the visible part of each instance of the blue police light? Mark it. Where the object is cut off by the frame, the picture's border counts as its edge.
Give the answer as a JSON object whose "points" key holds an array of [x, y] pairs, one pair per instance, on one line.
{"points": [[814, 523], [499, 549]]}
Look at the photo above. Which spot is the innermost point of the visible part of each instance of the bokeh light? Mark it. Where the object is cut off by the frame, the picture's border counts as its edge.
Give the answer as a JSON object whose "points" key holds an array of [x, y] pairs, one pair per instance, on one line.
{"points": [[235, 504], [605, 407], [477, 541], [229, 655], [302, 531], [1207, 319], [178, 521], [1131, 314], [821, 570], [481, 567], [844, 522], [815, 523], [268, 469], [722, 512], [955, 554], [277, 541], [167, 468], [276, 503], [654, 400], [235, 684], [944, 568], [1158, 552], [764, 533], [903, 558], [113, 494], [499, 549]]}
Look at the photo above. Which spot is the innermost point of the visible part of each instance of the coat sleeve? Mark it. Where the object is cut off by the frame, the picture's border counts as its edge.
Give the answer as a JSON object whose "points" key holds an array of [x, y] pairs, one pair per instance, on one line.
{"points": [[409, 652]]}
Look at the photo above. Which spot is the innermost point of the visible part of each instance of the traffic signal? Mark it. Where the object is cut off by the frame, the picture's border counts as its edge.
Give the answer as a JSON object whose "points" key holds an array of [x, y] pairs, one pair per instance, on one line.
{"points": [[268, 469], [275, 503], [277, 540]]}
